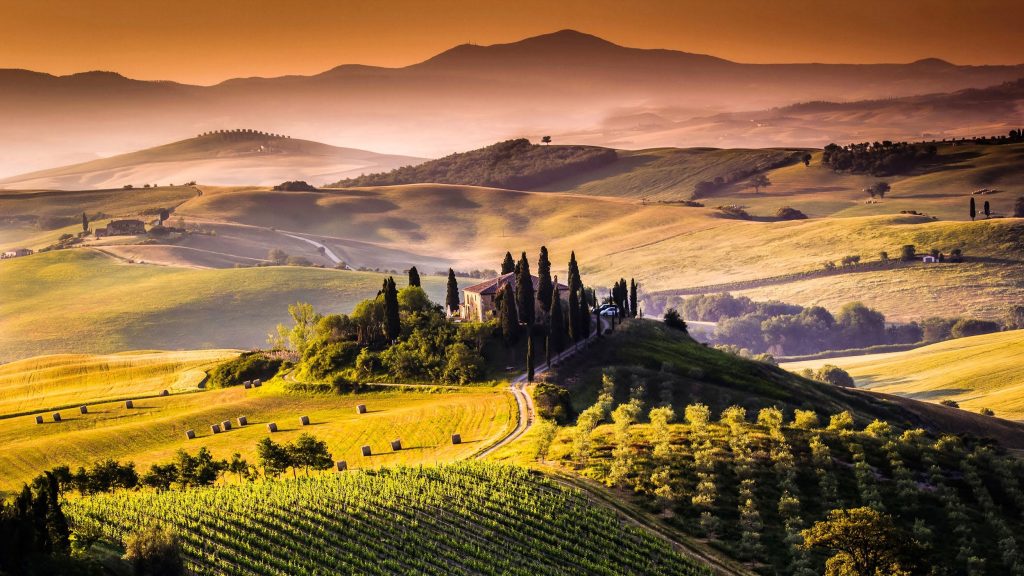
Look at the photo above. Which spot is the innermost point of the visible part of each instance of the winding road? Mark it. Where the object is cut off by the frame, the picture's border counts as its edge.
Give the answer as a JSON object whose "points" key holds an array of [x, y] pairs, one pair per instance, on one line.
{"points": [[327, 251]]}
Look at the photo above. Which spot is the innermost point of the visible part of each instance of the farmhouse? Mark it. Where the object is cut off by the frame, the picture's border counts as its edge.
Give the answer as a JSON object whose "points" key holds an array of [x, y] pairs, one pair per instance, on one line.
{"points": [[122, 228], [478, 300], [16, 253]]}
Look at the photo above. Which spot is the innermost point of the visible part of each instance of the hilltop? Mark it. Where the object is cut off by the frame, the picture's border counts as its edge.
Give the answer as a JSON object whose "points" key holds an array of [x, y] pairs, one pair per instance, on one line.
{"points": [[222, 157]]}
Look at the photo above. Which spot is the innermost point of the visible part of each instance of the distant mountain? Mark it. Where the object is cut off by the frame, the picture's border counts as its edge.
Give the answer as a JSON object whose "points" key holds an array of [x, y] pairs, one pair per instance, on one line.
{"points": [[226, 158], [559, 84]]}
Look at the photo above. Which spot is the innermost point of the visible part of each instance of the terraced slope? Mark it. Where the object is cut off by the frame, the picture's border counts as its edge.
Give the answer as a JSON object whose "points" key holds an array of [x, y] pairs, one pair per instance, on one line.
{"points": [[978, 372], [469, 518]]}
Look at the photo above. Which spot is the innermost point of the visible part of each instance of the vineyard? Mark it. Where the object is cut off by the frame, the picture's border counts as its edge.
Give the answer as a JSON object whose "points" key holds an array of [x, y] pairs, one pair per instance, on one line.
{"points": [[750, 487], [467, 518]]}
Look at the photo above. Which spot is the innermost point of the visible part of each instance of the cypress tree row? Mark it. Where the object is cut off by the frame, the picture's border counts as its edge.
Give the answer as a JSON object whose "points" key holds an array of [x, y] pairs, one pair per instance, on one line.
{"points": [[525, 297], [451, 299], [508, 264], [414, 277], [632, 298], [556, 325], [392, 318], [509, 316], [544, 280]]}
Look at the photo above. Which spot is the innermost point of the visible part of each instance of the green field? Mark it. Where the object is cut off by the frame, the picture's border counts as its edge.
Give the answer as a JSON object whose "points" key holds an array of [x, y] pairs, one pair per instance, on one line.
{"points": [[84, 301], [977, 372], [457, 519], [422, 418]]}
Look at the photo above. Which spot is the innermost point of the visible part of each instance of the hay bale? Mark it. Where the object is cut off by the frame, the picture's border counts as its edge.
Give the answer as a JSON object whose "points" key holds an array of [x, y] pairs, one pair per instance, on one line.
{"points": [[56, 416], [396, 445], [257, 383], [165, 393], [129, 404], [304, 420], [366, 451], [361, 409], [271, 427], [83, 409], [248, 385], [190, 434], [39, 419], [341, 465], [243, 421], [215, 428], [456, 438], [226, 425]]}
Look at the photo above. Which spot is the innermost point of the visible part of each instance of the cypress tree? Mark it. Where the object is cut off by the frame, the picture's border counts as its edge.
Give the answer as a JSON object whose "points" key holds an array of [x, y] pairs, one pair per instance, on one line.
{"points": [[544, 280], [574, 272], [547, 350], [392, 317], [525, 298], [556, 325], [584, 314], [529, 358], [414, 276], [508, 264], [632, 297], [451, 299], [574, 312], [987, 210], [973, 212], [85, 223], [509, 316]]}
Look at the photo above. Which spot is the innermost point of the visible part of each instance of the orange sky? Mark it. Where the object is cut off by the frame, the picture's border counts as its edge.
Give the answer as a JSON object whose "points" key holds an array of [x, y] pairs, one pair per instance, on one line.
{"points": [[205, 41]]}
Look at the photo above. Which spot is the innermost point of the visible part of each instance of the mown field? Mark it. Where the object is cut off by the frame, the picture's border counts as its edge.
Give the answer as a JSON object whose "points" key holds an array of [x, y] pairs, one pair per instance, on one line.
{"points": [[469, 518], [978, 372], [84, 301], [422, 418]]}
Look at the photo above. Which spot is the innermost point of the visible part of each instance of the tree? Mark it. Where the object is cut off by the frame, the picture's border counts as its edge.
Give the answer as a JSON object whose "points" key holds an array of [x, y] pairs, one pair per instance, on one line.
{"points": [[414, 276], [759, 181], [238, 466], [574, 312], [574, 272], [972, 210], [834, 375], [556, 322], [987, 209], [546, 139], [451, 299], [85, 222], [164, 215], [879, 189], [392, 312], [1018, 207], [866, 542], [308, 452], [632, 298], [674, 320], [508, 265], [277, 256], [584, 314], [154, 551], [272, 457], [806, 158], [161, 476], [525, 297], [299, 336], [529, 358], [509, 316], [908, 253], [544, 280], [198, 470]]}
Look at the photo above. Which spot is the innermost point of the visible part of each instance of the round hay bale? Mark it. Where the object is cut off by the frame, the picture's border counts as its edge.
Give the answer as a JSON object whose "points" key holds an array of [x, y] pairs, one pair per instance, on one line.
{"points": [[341, 465], [39, 419], [83, 409], [396, 445], [243, 421], [190, 434], [129, 404], [366, 451], [257, 382], [247, 385], [272, 427], [165, 393], [304, 420], [56, 416], [361, 409], [215, 428], [456, 438], [226, 425]]}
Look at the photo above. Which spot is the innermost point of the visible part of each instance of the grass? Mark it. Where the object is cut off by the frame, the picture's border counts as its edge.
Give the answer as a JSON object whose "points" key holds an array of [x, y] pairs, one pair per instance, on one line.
{"points": [[154, 429], [976, 372], [84, 301]]}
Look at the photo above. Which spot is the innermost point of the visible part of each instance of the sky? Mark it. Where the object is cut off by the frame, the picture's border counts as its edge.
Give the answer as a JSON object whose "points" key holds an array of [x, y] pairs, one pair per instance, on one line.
{"points": [[207, 41]]}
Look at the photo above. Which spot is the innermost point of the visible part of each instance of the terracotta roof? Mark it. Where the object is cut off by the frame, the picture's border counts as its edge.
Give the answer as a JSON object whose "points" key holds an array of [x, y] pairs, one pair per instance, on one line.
{"points": [[494, 285]]}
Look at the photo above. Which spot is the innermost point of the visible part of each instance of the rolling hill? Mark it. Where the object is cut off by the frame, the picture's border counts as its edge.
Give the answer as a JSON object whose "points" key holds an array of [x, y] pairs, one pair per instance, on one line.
{"points": [[976, 372], [572, 85], [227, 158]]}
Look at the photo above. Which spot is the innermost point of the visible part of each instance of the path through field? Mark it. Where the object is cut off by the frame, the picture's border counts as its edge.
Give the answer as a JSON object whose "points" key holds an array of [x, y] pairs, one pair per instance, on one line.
{"points": [[327, 251]]}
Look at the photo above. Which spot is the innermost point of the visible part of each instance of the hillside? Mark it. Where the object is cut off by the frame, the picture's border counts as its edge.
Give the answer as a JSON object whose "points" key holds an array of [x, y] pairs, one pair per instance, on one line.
{"points": [[976, 372], [85, 301], [455, 519], [154, 429], [221, 158], [573, 86]]}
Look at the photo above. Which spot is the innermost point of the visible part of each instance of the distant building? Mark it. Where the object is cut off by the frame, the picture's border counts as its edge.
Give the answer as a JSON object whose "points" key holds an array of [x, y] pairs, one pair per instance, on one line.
{"points": [[122, 228], [929, 259], [479, 300], [15, 253]]}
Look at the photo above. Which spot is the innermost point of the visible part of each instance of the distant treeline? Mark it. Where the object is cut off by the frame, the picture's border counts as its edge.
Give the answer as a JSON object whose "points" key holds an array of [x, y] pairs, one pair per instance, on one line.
{"points": [[877, 158], [516, 164], [788, 329]]}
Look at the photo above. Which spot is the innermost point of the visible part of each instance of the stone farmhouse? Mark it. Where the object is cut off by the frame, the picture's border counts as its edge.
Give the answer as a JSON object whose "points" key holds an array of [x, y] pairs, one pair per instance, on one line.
{"points": [[478, 300], [122, 228], [17, 252]]}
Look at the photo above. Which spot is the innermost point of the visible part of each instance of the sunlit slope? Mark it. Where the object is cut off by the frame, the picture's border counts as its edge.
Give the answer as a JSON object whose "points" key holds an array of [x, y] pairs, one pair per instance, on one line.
{"points": [[73, 379], [155, 428], [978, 372], [85, 301]]}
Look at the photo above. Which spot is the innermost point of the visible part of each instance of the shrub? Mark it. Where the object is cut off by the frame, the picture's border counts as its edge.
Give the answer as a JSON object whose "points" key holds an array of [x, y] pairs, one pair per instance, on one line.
{"points": [[950, 403], [841, 421], [553, 402], [248, 366], [154, 551], [787, 213], [805, 419], [294, 186], [462, 364], [986, 412], [834, 375], [970, 327], [322, 359], [673, 320]]}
